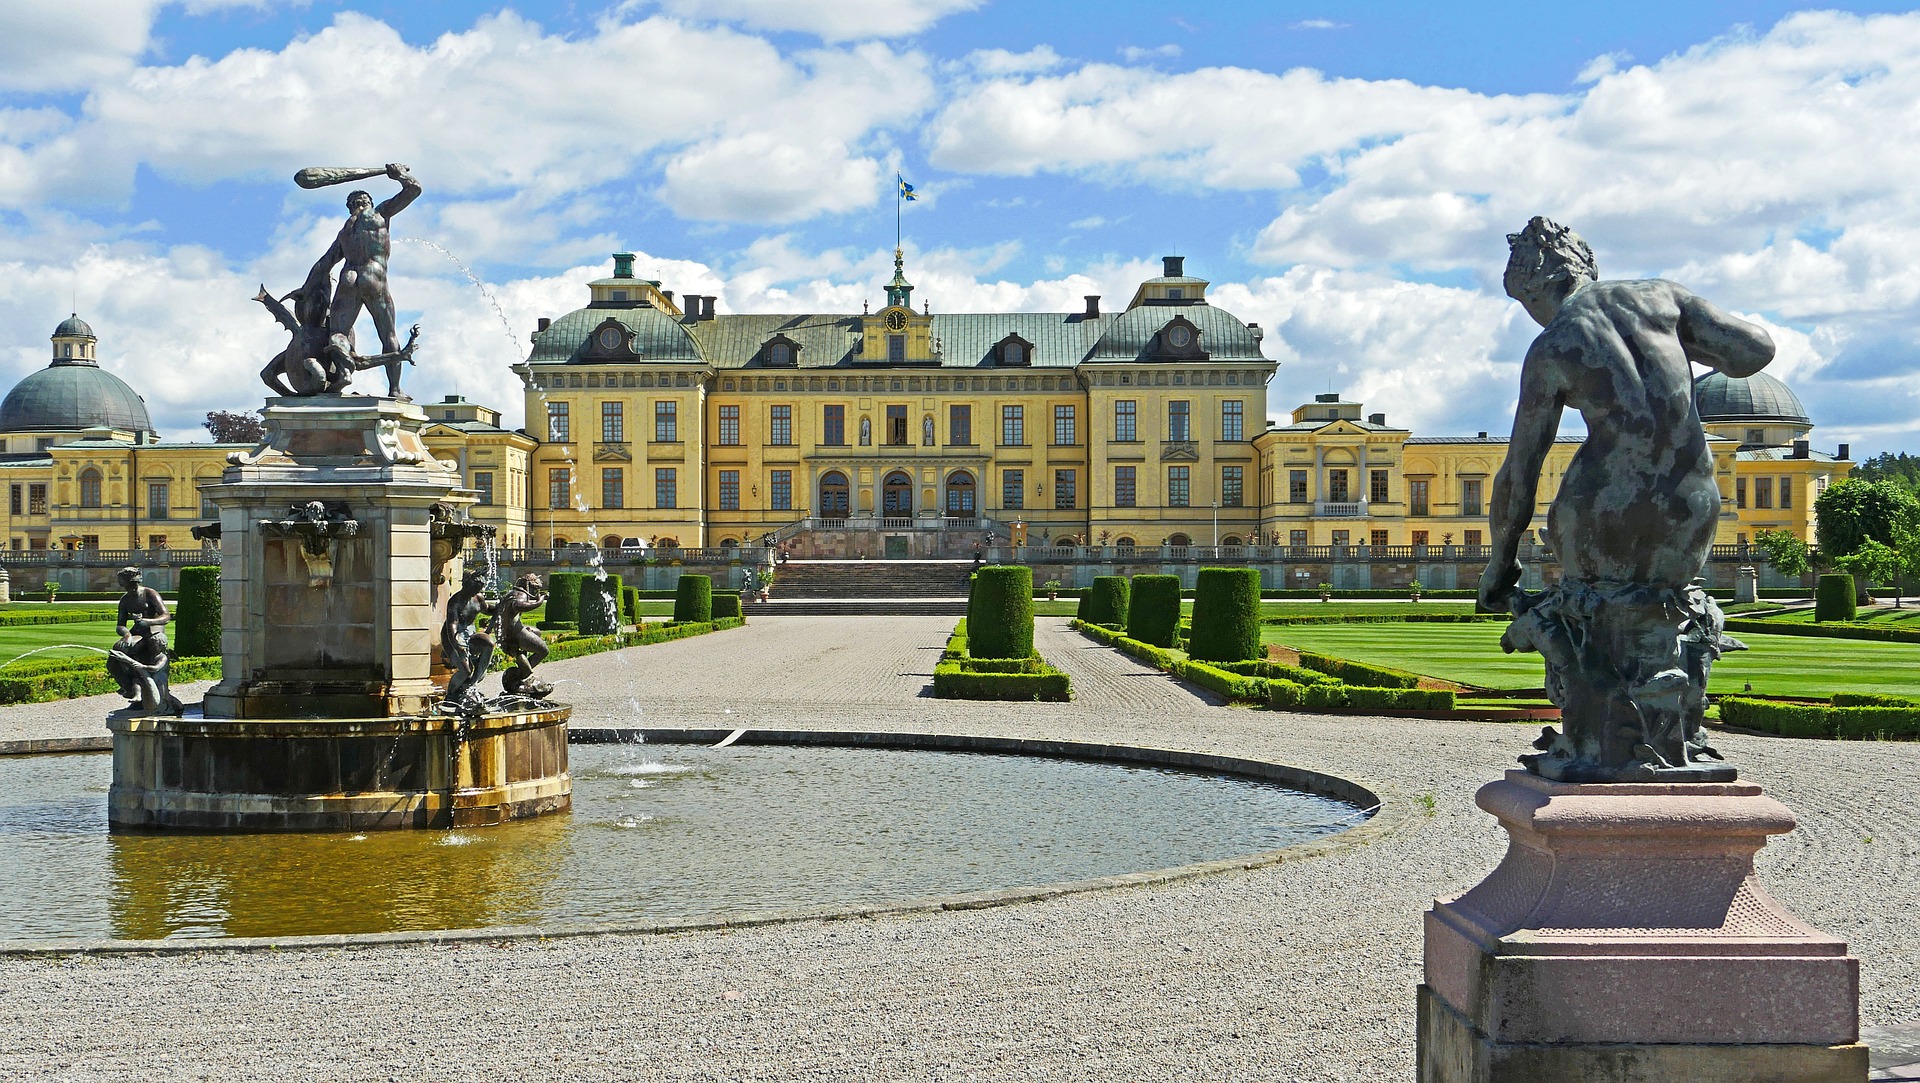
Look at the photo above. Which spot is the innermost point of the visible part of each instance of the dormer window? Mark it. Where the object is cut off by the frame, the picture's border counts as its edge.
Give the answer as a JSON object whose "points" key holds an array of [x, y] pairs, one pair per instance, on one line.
{"points": [[781, 352], [1013, 351], [1179, 340], [617, 295], [1175, 293]]}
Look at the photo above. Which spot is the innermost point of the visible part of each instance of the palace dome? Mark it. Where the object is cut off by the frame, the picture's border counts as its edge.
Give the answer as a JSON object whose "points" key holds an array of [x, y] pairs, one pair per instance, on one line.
{"points": [[1759, 397], [70, 395], [73, 327]]}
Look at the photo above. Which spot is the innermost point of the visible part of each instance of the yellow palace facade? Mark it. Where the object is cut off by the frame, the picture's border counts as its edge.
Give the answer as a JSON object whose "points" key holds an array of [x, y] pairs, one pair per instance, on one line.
{"points": [[896, 431]]}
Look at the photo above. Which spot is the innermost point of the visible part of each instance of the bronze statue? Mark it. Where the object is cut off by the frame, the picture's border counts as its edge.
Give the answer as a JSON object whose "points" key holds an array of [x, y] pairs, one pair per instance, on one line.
{"points": [[521, 643], [1628, 634], [139, 660], [321, 357], [465, 649]]}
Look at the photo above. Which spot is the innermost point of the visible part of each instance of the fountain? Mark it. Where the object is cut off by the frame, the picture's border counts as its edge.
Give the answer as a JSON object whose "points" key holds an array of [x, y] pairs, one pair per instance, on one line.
{"points": [[341, 541]]}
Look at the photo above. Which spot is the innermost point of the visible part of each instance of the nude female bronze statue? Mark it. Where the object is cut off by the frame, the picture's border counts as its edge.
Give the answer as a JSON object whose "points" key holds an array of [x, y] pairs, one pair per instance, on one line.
{"points": [[1628, 634]]}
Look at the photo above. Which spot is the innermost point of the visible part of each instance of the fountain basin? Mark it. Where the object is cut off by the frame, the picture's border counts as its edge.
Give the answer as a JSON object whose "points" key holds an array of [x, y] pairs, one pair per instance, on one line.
{"points": [[195, 773]]}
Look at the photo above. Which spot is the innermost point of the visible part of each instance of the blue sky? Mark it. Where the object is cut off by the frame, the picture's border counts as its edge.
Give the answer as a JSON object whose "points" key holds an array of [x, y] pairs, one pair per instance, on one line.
{"points": [[1343, 173]]}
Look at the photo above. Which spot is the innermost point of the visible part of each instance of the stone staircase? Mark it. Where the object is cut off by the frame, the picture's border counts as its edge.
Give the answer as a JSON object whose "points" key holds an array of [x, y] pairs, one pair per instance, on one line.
{"points": [[867, 587]]}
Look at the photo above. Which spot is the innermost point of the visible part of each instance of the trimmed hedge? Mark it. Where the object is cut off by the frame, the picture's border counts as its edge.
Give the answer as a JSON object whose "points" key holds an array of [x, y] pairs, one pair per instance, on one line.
{"points": [[726, 606], [1000, 611], [693, 599], [67, 678], [1108, 600], [1833, 598], [1086, 604], [196, 617], [1358, 673], [630, 604], [952, 680], [37, 596], [1271, 669], [1872, 699], [1286, 694], [1234, 686], [1408, 618], [1226, 615], [563, 598], [19, 618], [1825, 631], [1153, 612], [1815, 720], [600, 605]]}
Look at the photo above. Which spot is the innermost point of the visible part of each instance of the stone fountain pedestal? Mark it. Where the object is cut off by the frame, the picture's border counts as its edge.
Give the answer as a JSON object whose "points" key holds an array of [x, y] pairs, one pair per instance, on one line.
{"points": [[1625, 938], [340, 543]]}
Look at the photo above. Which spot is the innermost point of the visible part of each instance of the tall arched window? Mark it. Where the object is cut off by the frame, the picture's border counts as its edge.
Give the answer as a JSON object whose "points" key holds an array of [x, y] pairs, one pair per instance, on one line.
{"points": [[611, 541], [897, 495], [1179, 541], [960, 495], [90, 488], [833, 495]]}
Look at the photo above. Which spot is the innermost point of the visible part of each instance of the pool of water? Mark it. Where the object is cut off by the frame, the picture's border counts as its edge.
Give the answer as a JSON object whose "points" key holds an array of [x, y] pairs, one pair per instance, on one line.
{"points": [[657, 833]]}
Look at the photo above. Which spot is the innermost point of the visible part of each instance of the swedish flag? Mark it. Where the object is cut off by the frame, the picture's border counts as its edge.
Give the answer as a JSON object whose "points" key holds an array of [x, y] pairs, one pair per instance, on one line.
{"points": [[906, 190]]}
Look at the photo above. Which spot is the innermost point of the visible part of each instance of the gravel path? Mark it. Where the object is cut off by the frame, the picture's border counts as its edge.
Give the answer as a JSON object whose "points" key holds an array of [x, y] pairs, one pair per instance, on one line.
{"points": [[1294, 972]]}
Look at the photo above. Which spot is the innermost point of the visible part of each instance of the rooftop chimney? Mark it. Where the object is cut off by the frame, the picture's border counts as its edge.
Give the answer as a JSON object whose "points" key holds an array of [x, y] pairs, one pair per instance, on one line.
{"points": [[1483, 434], [1093, 305], [1845, 452], [1175, 266], [1800, 448], [692, 307], [623, 265], [706, 306], [1378, 419], [544, 324], [668, 294]]}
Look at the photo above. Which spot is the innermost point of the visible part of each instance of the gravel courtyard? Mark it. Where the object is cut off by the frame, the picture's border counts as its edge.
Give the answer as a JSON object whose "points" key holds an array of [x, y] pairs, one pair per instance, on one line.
{"points": [[1292, 972]]}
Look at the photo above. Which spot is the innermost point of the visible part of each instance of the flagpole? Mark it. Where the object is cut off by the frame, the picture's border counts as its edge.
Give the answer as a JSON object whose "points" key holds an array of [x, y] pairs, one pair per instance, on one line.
{"points": [[898, 180]]}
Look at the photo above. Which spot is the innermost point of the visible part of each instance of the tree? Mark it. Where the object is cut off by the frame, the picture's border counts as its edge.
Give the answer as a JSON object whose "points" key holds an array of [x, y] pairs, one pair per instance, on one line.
{"points": [[1864, 526], [1787, 553], [230, 427], [1902, 469]]}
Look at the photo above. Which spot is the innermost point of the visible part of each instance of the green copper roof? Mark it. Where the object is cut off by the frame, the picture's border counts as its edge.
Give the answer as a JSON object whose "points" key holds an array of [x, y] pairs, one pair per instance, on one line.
{"points": [[1222, 335], [73, 327], [69, 395], [658, 336], [1759, 397]]}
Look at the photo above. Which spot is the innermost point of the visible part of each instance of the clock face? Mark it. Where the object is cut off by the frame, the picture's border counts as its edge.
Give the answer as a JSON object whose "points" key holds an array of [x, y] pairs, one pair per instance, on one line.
{"points": [[896, 321], [610, 338], [1180, 337]]}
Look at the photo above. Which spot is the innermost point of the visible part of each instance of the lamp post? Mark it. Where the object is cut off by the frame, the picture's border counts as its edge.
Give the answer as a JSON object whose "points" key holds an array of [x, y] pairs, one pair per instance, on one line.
{"points": [[1216, 524]]}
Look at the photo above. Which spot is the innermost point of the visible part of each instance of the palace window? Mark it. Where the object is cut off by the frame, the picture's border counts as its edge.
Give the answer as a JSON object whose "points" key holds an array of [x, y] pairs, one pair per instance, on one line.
{"points": [[833, 425], [1786, 492], [207, 508], [666, 487], [1232, 420], [729, 490], [1739, 492], [1342, 538], [1123, 487], [1179, 420], [896, 426], [157, 500], [1470, 497], [483, 481], [666, 421], [1417, 497], [1296, 486], [896, 347], [1066, 426], [782, 490], [960, 425], [1337, 490], [1013, 426], [559, 423], [1066, 489], [90, 488], [1377, 486], [613, 487], [16, 499], [156, 541], [730, 426], [559, 484], [780, 425], [1013, 489], [1179, 486], [779, 354], [1420, 538], [1232, 486], [1471, 537], [613, 422], [1297, 537], [1763, 492], [1126, 421]]}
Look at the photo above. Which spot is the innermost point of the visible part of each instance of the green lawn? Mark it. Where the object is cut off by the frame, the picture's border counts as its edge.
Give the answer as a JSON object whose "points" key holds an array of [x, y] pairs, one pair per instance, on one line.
{"points": [[1906, 616], [17, 641], [1470, 654]]}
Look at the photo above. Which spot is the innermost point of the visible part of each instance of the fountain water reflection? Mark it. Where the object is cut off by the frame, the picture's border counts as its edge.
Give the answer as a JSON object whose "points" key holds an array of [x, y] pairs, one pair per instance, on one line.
{"points": [[829, 827]]}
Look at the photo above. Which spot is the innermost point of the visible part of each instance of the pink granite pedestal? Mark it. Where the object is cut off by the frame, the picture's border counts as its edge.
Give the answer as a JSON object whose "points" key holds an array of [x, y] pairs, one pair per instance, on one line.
{"points": [[1625, 938]]}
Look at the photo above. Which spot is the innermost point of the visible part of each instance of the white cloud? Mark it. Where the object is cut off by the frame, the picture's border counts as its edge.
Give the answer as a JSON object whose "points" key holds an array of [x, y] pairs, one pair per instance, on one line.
{"points": [[1318, 24], [73, 43], [1003, 62], [499, 107], [832, 20], [1134, 54], [1601, 66]]}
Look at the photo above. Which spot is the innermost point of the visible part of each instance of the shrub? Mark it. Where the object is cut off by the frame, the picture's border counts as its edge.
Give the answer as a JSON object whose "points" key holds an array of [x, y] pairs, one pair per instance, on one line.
{"points": [[600, 605], [1081, 611], [1231, 685], [630, 604], [1833, 598], [1358, 673], [952, 680], [1000, 612], [1107, 600], [1154, 613], [726, 604], [196, 619], [1786, 719], [1400, 699], [1872, 699], [563, 598], [1226, 615], [693, 599]]}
